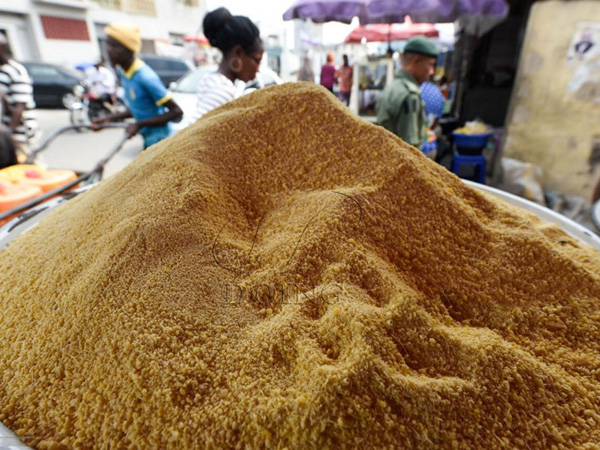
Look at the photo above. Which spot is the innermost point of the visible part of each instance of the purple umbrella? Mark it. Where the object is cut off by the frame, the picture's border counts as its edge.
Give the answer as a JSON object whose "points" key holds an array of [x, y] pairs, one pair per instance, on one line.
{"points": [[321, 11], [432, 11], [392, 11]]}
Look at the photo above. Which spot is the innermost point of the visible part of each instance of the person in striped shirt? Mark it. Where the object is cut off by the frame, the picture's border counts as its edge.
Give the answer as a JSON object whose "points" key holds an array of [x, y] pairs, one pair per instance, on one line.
{"points": [[239, 41], [17, 90]]}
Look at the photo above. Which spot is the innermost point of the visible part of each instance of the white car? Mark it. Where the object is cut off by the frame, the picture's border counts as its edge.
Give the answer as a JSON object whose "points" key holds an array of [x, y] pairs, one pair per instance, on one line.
{"points": [[184, 90]]}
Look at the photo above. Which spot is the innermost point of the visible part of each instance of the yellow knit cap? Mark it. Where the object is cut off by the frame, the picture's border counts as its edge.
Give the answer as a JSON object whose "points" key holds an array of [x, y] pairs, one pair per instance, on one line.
{"points": [[127, 34]]}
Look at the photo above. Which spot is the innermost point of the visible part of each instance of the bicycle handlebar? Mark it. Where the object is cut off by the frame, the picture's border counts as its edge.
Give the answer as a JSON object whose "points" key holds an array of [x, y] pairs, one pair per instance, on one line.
{"points": [[63, 129], [98, 169]]}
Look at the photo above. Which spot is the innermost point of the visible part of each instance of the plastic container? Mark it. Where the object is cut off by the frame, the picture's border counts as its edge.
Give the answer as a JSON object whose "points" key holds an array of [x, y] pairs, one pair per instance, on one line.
{"points": [[12, 195], [48, 179], [470, 143], [16, 173]]}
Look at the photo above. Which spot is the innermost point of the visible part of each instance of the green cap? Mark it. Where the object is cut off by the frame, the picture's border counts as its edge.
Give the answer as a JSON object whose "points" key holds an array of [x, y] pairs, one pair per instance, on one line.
{"points": [[421, 45]]}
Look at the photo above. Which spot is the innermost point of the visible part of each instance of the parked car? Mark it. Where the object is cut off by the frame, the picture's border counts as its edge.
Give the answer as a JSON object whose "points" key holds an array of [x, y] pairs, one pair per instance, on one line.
{"points": [[264, 78], [51, 83], [168, 69], [184, 90]]}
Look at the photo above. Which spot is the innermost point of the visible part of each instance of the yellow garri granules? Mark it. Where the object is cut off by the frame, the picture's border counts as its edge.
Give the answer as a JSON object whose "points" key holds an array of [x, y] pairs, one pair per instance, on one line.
{"points": [[285, 275]]}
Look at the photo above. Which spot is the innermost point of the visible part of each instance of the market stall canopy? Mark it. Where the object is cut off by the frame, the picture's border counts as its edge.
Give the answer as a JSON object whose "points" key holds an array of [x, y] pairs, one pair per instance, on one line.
{"points": [[393, 11], [390, 32], [432, 11], [197, 38], [321, 11]]}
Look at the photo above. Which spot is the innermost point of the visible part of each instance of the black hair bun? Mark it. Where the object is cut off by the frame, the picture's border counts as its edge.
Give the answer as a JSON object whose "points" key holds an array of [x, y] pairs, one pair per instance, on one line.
{"points": [[214, 22], [224, 31]]}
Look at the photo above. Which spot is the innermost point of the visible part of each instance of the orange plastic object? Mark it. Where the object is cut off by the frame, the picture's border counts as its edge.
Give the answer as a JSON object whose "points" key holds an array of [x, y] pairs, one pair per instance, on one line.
{"points": [[48, 179], [12, 195], [16, 173]]}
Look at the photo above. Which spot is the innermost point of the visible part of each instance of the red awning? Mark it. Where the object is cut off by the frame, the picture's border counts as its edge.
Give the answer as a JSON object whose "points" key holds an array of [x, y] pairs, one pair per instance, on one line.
{"points": [[197, 38], [391, 32]]}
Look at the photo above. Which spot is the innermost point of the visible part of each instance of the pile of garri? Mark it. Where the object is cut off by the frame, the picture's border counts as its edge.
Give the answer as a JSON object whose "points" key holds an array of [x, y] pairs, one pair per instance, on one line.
{"points": [[283, 274]]}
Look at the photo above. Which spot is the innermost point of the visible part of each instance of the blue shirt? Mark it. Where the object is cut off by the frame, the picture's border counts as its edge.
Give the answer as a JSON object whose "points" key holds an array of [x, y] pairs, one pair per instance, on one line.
{"points": [[145, 96], [433, 98]]}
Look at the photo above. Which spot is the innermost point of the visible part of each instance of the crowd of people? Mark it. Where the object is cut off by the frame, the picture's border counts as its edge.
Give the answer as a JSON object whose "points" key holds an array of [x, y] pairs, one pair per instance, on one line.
{"points": [[330, 75], [410, 106], [401, 108]]}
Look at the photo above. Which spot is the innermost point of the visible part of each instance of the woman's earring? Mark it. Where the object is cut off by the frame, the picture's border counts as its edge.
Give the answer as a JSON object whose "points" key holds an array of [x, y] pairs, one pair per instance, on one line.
{"points": [[236, 64]]}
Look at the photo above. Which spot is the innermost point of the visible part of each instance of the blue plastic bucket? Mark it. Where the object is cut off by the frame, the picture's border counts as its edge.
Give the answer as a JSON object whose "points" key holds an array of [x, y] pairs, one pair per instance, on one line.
{"points": [[471, 140]]}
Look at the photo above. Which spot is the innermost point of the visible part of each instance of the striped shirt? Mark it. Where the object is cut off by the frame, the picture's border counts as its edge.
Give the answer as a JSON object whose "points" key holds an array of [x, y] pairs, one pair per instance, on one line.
{"points": [[17, 88], [214, 90]]}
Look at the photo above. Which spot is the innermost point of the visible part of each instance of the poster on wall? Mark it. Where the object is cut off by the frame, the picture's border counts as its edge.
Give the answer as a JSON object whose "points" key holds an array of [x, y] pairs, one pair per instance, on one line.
{"points": [[583, 57]]}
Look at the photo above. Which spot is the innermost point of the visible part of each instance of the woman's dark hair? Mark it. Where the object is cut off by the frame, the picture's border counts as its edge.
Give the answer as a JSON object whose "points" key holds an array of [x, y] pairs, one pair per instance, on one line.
{"points": [[224, 31]]}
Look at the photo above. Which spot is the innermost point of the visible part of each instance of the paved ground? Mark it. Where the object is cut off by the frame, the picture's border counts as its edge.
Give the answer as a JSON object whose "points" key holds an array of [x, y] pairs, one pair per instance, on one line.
{"points": [[81, 151]]}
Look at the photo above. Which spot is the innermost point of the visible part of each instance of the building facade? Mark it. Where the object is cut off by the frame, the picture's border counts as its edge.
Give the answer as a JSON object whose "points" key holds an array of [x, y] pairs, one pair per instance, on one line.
{"points": [[68, 32]]}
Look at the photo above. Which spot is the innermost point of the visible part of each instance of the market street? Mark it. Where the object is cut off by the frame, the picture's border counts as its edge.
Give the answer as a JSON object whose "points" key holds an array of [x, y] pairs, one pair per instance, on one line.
{"points": [[81, 151], [357, 224]]}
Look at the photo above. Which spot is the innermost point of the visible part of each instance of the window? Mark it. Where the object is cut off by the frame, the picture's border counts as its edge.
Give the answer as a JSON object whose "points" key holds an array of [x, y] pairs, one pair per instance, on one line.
{"points": [[268, 80], [177, 66], [158, 65], [176, 39], [145, 7], [39, 71], [65, 28], [109, 4], [189, 83]]}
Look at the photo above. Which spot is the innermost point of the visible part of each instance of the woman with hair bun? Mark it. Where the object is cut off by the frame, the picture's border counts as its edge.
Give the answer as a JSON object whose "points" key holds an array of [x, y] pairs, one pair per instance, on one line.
{"points": [[239, 41]]}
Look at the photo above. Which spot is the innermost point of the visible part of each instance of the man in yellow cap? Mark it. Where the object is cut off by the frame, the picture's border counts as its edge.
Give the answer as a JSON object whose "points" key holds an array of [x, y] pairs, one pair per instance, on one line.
{"points": [[148, 101], [400, 108]]}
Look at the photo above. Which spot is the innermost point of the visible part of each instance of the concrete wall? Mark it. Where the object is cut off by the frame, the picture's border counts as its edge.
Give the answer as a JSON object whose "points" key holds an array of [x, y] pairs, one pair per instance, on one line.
{"points": [[21, 20], [554, 117], [18, 28], [59, 51], [178, 18], [171, 17], [15, 6]]}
